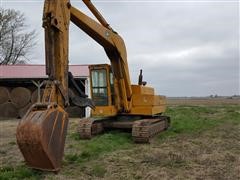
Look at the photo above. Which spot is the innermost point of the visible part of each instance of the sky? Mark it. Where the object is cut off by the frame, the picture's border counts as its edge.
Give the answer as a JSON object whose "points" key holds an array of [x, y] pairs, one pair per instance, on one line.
{"points": [[185, 48]]}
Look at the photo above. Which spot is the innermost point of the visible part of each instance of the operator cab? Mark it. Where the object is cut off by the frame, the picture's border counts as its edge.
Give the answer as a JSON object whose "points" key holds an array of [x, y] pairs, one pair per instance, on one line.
{"points": [[102, 89]]}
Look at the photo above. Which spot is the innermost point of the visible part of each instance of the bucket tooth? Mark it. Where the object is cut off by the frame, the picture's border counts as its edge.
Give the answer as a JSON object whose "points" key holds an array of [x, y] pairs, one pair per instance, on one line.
{"points": [[41, 135]]}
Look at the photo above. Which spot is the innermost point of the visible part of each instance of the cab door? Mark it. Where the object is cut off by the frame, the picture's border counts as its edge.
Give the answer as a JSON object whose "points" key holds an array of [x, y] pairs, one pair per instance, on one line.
{"points": [[100, 85]]}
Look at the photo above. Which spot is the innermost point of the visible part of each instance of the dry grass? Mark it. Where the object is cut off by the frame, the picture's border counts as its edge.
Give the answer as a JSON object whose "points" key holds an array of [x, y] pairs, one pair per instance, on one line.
{"points": [[9, 152], [213, 154], [209, 150]]}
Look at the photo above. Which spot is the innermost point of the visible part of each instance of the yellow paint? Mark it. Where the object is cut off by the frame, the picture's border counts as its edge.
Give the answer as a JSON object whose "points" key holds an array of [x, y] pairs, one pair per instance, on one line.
{"points": [[147, 110], [104, 111], [137, 89], [148, 100]]}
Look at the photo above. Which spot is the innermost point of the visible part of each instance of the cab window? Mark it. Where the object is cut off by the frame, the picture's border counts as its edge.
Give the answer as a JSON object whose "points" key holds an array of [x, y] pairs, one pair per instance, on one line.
{"points": [[99, 87]]}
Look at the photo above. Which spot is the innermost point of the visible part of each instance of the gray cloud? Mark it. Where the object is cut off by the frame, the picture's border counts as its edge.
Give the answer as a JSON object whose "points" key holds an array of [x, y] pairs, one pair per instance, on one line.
{"points": [[185, 49]]}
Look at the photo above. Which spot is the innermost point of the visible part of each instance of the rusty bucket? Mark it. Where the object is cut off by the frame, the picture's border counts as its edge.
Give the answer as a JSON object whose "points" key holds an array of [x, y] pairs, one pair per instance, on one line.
{"points": [[41, 135]]}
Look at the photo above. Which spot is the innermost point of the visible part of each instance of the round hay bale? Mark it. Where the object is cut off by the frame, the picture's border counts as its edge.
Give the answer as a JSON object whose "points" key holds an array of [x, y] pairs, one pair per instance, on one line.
{"points": [[8, 110], [22, 111], [4, 95], [34, 97], [20, 96]]}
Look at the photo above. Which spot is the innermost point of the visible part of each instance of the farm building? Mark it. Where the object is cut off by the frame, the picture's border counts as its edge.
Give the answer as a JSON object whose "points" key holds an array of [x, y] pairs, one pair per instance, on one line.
{"points": [[20, 87]]}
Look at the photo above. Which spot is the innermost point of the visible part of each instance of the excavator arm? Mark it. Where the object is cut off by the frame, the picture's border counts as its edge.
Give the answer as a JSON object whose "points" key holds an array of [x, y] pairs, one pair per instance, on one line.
{"points": [[56, 19], [42, 131]]}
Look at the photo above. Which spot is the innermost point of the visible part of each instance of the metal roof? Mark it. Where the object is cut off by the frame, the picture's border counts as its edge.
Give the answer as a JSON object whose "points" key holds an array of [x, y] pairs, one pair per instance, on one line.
{"points": [[37, 71]]}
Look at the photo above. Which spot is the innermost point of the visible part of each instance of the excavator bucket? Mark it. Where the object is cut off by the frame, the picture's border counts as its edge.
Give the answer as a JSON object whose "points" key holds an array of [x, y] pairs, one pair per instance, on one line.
{"points": [[41, 136]]}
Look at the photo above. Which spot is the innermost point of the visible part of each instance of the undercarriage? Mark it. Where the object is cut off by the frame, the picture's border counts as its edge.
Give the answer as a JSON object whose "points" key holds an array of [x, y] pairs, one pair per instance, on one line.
{"points": [[143, 128]]}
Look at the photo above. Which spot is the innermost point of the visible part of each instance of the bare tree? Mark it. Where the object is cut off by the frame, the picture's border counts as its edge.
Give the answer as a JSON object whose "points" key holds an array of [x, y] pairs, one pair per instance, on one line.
{"points": [[15, 41]]}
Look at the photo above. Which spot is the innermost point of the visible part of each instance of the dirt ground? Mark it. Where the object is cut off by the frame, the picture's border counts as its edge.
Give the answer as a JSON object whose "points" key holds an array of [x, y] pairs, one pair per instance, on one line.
{"points": [[209, 154]]}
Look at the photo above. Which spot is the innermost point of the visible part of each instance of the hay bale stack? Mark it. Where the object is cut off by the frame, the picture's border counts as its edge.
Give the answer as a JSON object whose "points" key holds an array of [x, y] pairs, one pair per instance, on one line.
{"points": [[8, 110], [34, 97], [4, 95], [20, 96], [22, 111]]}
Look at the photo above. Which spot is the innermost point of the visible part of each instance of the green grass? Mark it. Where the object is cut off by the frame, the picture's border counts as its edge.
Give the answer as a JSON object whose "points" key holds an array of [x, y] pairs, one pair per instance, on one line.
{"points": [[19, 172], [98, 170], [195, 119], [91, 149], [12, 143]]}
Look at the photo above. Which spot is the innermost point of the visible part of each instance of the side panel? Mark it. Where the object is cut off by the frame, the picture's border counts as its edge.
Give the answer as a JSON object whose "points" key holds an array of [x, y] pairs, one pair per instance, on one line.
{"points": [[104, 111], [148, 110], [148, 100], [144, 102]]}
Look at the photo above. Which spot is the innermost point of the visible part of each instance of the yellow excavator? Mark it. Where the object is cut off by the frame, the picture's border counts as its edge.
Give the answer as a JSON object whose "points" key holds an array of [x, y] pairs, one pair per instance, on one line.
{"points": [[42, 131]]}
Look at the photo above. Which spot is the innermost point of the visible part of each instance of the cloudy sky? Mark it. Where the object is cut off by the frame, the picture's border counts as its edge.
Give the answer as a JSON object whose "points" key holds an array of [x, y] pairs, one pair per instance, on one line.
{"points": [[185, 48]]}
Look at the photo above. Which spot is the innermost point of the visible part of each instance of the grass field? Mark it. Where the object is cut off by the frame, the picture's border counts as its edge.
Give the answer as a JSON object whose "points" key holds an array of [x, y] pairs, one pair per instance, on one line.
{"points": [[203, 142], [193, 101]]}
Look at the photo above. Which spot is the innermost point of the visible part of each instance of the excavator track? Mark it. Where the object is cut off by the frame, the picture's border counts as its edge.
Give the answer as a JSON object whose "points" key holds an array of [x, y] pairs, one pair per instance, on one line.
{"points": [[143, 130], [89, 127]]}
